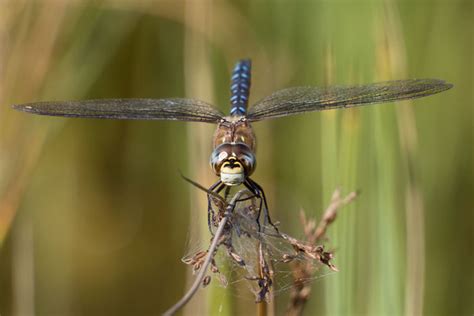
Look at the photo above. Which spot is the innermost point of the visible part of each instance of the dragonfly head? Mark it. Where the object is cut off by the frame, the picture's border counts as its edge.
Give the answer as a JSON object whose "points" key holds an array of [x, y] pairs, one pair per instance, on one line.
{"points": [[233, 162]]}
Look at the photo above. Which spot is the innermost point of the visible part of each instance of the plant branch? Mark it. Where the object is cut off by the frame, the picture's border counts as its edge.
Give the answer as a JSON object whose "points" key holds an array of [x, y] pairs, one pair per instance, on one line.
{"points": [[210, 255], [314, 234]]}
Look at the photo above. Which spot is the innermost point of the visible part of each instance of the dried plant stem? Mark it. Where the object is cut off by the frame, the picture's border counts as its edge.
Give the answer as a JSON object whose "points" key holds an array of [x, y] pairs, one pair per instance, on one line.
{"points": [[262, 305], [262, 308], [314, 234], [210, 255], [330, 214], [202, 272]]}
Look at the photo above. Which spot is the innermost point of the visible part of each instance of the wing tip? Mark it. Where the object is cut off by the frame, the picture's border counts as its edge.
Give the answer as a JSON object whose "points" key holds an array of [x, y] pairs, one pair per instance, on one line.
{"points": [[433, 85], [442, 84], [448, 85]]}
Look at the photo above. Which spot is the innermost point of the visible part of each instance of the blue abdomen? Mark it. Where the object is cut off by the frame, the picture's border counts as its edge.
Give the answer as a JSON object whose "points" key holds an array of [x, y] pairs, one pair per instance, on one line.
{"points": [[240, 87]]}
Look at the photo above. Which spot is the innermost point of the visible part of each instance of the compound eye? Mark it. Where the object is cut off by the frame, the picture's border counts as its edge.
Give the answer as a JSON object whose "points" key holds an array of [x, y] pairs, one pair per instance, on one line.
{"points": [[249, 162], [246, 157], [218, 156]]}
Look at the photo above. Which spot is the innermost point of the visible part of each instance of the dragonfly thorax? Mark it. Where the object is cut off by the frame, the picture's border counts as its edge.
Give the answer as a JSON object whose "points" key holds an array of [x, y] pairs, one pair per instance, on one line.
{"points": [[234, 129]]}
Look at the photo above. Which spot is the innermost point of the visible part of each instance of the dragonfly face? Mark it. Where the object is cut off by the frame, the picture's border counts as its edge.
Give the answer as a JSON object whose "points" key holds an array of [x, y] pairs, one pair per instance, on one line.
{"points": [[233, 162]]}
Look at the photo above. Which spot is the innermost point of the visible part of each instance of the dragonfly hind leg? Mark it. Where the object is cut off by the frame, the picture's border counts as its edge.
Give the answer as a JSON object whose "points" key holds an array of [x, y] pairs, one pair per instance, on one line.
{"points": [[256, 189]]}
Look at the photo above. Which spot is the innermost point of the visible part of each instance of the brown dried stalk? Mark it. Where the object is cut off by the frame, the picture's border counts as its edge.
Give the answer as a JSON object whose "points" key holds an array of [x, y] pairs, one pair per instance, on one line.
{"points": [[314, 234], [201, 278]]}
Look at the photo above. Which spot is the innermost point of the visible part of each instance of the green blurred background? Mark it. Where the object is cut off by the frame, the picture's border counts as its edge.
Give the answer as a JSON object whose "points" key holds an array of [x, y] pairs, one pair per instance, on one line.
{"points": [[94, 216]]}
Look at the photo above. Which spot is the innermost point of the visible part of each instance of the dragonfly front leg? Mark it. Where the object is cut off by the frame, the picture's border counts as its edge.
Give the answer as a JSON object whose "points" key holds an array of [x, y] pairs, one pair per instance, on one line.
{"points": [[256, 189], [226, 192], [257, 194], [216, 187]]}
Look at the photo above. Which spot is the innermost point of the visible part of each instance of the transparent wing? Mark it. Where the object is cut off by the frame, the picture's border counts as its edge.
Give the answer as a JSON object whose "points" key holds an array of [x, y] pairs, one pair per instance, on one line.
{"points": [[128, 109], [305, 99]]}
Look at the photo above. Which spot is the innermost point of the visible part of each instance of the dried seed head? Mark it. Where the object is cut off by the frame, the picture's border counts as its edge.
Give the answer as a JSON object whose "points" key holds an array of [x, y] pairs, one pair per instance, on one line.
{"points": [[206, 281], [197, 266], [241, 234], [214, 268], [287, 258], [187, 260], [237, 258]]}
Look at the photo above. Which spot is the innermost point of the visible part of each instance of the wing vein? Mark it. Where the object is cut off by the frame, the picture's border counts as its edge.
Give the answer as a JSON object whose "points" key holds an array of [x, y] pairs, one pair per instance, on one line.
{"points": [[131, 109], [304, 99]]}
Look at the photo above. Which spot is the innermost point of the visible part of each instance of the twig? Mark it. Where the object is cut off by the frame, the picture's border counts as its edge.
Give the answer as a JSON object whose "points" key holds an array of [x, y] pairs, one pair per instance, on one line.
{"points": [[210, 254], [314, 234], [331, 213], [264, 279], [262, 308], [199, 278]]}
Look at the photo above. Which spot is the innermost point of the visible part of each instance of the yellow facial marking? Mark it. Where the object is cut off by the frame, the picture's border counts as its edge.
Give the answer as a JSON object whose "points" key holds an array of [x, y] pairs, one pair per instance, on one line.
{"points": [[236, 168]]}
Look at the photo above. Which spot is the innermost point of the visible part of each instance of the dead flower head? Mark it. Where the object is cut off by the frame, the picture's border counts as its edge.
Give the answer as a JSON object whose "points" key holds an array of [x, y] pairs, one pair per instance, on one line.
{"points": [[265, 246]]}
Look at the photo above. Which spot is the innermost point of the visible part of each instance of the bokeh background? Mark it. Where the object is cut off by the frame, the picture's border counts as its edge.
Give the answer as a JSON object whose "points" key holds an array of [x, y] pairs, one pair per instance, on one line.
{"points": [[94, 216]]}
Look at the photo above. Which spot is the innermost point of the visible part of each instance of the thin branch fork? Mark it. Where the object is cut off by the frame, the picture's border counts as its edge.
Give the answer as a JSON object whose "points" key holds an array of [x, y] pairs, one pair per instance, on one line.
{"points": [[330, 214]]}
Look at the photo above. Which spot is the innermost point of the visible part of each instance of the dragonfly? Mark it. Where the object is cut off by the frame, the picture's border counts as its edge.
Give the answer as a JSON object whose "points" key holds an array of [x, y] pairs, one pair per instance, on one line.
{"points": [[233, 157]]}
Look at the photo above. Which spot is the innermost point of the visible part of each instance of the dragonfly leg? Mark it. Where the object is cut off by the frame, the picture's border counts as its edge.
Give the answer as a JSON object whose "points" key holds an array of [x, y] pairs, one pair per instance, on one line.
{"points": [[216, 187], [257, 190], [257, 194], [226, 192]]}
